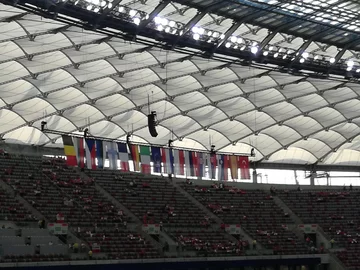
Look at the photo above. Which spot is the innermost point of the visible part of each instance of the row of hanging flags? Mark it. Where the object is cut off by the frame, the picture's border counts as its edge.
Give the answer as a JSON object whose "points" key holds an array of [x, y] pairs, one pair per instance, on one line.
{"points": [[84, 152]]}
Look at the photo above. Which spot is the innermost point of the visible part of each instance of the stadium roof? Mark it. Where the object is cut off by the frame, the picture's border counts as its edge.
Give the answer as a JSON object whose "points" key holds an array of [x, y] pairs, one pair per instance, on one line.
{"points": [[74, 78]]}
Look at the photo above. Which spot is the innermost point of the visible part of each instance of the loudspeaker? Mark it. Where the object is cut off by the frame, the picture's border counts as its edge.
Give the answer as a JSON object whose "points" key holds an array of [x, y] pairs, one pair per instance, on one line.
{"points": [[152, 124]]}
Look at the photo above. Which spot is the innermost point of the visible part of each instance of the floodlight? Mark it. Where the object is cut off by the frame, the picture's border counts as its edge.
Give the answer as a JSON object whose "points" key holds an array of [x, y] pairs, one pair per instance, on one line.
{"points": [[239, 40], [350, 63], [358, 70], [172, 23], [349, 68], [89, 7], [209, 33], [164, 22], [110, 5], [302, 60], [121, 9], [195, 30], [233, 39], [167, 29], [254, 49], [201, 31], [222, 36], [132, 13], [227, 45], [305, 55], [332, 60], [137, 21], [157, 20], [160, 27], [276, 55], [265, 53], [196, 36]]}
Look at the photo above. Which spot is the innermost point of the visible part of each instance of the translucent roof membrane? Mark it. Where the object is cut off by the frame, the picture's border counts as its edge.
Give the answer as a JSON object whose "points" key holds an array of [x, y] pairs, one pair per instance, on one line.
{"points": [[344, 14], [73, 78]]}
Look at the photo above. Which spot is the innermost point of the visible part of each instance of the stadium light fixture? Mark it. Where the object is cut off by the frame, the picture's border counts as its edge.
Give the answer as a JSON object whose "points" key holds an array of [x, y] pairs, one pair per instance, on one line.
{"points": [[350, 63], [164, 22], [172, 23], [305, 55], [196, 36], [137, 21], [233, 39], [302, 60], [132, 13], [121, 9], [160, 27], [228, 45], [276, 55], [332, 60], [254, 49], [265, 53]]}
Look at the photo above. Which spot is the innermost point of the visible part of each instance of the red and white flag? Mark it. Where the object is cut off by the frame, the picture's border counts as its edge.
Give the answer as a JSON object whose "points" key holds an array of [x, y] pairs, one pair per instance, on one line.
{"points": [[244, 167], [179, 160]]}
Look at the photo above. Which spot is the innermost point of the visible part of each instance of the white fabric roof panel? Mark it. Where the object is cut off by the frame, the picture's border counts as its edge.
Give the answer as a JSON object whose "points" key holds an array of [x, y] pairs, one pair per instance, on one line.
{"points": [[74, 78]]}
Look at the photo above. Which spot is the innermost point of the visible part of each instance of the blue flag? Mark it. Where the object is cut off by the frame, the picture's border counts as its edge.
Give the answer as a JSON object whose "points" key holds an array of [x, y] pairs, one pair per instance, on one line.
{"points": [[100, 153], [156, 158]]}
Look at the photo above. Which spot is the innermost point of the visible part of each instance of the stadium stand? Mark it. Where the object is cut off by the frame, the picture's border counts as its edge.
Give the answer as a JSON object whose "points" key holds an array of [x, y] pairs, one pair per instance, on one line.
{"points": [[336, 211], [154, 199], [53, 188], [255, 211]]}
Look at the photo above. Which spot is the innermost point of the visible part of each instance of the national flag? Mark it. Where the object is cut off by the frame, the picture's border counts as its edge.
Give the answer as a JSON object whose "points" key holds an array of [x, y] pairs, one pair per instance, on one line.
{"points": [[226, 167], [90, 153], [195, 162], [112, 153], [135, 156], [69, 150], [213, 164], [167, 158], [244, 167], [187, 163], [156, 159], [123, 156], [179, 160], [223, 167], [201, 164], [100, 154], [80, 151], [145, 159], [234, 167]]}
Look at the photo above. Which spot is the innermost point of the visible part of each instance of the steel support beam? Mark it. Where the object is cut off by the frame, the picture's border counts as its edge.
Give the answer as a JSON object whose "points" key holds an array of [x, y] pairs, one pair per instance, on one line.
{"points": [[266, 40], [154, 13], [229, 32]]}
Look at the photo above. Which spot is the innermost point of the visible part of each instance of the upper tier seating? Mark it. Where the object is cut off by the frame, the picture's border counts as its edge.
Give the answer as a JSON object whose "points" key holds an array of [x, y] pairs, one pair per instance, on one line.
{"points": [[257, 213], [336, 211]]}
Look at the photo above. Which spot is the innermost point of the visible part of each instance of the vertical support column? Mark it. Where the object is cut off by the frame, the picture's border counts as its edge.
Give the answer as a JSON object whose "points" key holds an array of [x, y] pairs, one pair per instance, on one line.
{"points": [[312, 178], [254, 176]]}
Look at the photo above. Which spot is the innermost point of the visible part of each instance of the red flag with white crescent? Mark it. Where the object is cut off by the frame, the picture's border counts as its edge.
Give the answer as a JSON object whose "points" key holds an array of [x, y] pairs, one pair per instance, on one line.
{"points": [[244, 167]]}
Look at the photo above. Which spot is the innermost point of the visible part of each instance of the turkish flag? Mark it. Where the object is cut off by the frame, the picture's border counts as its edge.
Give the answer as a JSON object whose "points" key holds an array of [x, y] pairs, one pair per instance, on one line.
{"points": [[244, 167]]}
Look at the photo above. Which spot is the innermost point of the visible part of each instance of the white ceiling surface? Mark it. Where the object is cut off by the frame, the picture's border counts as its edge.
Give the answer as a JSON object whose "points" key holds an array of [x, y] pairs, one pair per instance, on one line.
{"points": [[71, 77]]}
